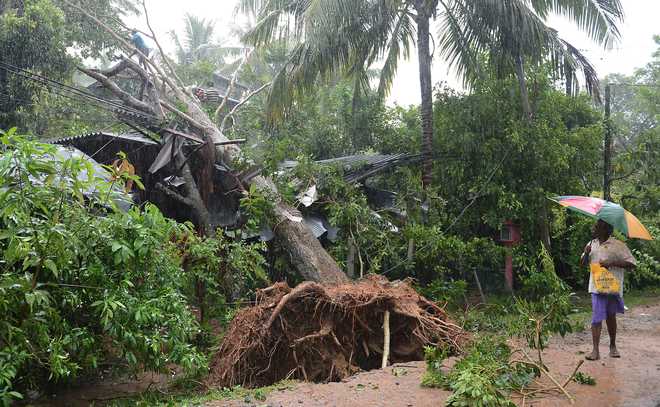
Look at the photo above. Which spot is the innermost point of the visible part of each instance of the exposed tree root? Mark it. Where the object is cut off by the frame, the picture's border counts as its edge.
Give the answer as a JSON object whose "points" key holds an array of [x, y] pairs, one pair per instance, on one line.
{"points": [[325, 333]]}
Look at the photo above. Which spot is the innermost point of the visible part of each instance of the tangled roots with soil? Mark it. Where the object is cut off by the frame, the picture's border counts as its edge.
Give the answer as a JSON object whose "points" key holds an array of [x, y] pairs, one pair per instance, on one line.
{"points": [[326, 333]]}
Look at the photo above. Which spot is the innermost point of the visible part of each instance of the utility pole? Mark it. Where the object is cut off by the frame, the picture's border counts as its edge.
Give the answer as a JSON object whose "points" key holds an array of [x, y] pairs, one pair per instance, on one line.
{"points": [[607, 147]]}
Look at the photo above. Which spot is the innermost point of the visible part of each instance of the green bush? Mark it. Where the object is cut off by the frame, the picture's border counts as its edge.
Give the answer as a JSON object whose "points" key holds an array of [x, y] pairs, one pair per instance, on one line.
{"points": [[482, 377], [83, 285], [543, 306], [646, 274]]}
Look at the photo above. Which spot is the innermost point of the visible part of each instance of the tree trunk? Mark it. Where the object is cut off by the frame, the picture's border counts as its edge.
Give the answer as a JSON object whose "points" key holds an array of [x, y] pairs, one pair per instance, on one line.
{"points": [[522, 82], [607, 146], [569, 81], [307, 255], [426, 86], [544, 228]]}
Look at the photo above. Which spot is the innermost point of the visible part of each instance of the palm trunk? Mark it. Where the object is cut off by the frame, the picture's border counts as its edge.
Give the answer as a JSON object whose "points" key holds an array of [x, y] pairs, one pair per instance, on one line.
{"points": [[426, 87], [522, 82], [569, 81]]}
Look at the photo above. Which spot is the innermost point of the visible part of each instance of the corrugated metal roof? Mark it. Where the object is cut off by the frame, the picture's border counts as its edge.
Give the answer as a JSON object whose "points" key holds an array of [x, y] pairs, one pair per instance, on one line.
{"points": [[357, 160], [63, 153], [315, 224], [133, 137], [352, 161]]}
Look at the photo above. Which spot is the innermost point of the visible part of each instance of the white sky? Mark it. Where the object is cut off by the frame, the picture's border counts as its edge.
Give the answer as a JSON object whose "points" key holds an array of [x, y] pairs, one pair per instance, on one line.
{"points": [[633, 51]]}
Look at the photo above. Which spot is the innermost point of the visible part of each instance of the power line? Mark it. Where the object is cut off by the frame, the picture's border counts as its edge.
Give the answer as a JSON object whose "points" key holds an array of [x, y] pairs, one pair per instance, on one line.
{"points": [[52, 84], [640, 85]]}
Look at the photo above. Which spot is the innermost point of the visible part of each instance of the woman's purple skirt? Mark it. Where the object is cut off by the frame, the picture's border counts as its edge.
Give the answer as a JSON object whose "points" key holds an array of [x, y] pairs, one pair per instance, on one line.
{"points": [[604, 305]]}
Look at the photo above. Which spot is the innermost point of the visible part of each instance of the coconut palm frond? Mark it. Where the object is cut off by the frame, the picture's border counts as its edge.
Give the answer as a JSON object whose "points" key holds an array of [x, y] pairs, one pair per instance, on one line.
{"points": [[597, 18], [400, 43], [504, 31]]}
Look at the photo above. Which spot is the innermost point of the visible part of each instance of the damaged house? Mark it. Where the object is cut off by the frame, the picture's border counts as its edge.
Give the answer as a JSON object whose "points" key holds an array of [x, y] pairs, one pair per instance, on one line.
{"points": [[153, 163]]}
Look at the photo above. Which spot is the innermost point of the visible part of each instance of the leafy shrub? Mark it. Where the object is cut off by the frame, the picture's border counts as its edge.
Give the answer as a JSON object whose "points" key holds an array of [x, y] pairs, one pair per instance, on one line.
{"points": [[218, 268], [446, 291], [82, 285], [483, 377], [646, 274], [543, 306]]}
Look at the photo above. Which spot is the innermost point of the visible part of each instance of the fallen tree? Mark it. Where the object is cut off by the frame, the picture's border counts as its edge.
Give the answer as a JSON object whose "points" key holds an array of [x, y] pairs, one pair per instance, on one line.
{"points": [[163, 93], [322, 333]]}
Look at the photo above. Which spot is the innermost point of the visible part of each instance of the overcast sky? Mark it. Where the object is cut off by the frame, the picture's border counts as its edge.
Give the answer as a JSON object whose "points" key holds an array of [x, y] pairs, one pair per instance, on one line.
{"points": [[633, 51]]}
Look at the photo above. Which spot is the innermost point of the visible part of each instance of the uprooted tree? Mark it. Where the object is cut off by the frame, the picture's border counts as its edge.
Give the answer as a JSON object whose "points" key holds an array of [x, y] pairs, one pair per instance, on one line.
{"points": [[324, 333], [162, 91]]}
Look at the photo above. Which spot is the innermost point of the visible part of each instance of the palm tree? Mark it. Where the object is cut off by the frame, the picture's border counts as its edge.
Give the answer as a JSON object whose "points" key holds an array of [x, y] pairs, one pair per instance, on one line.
{"points": [[197, 42], [348, 36], [512, 34]]}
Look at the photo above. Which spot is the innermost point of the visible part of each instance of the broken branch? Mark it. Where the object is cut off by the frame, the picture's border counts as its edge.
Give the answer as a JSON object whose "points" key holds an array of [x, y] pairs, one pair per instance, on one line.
{"points": [[232, 83], [117, 91], [160, 49], [547, 373], [568, 380], [241, 103]]}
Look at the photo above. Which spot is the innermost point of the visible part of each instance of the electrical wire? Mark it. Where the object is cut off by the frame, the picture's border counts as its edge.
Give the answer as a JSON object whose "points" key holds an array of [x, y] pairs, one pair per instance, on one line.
{"points": [[52, 84], [45, 80]]}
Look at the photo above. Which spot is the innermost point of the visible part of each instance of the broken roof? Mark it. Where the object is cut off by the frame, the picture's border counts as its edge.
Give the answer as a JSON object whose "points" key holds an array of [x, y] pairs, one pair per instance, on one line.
{"points": [[130, 137], [359, 167]]}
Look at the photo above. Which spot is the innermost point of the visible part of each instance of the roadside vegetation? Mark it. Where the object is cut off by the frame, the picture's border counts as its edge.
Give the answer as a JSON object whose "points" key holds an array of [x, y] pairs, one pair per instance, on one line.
{"points": [[92, 285]]}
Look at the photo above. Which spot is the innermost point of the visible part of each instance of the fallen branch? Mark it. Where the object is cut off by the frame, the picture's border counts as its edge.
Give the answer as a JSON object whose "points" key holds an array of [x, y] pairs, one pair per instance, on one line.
{"points": [[117, 91], [568, 380], [160, 49], [232, 83], [543, 370], [241, 103]]}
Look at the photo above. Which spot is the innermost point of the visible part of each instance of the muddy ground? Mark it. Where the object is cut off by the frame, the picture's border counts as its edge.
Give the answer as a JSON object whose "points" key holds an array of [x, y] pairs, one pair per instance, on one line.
{"points": [[633, 380]]}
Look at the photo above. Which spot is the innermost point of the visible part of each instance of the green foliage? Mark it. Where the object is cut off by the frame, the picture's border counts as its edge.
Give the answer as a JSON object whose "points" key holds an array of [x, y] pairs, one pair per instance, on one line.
{"points": [[326, 124], [446, 257], [646, 274], [224, 267], [584, 378], [50, 37], [449, 292], [484, 376], [83, 285], [258, 209], [543, 305], [492, 317], [434, 377], [557, 151]]}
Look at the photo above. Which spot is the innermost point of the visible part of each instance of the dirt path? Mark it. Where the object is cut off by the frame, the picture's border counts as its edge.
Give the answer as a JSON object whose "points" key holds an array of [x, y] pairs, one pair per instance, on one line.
{"points": [[633, 380]]}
